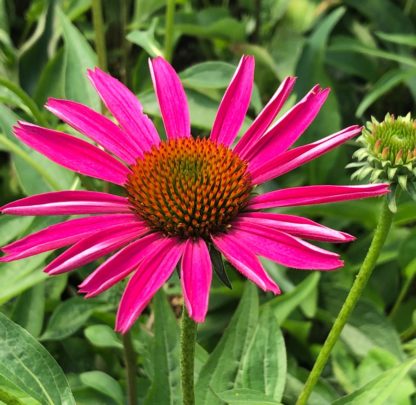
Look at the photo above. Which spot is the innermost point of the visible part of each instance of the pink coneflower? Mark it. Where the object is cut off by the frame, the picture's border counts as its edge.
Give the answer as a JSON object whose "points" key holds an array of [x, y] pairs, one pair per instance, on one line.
{"points": [[184, 196]]}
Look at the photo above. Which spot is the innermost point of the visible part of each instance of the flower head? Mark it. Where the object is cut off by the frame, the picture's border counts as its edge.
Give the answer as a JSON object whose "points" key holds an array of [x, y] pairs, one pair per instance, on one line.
{"points": [[185, 199], [388, 154]]}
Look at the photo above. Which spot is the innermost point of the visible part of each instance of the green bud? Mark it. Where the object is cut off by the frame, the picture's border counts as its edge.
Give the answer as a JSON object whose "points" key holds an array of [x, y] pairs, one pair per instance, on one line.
{"points": [[388, 154]]}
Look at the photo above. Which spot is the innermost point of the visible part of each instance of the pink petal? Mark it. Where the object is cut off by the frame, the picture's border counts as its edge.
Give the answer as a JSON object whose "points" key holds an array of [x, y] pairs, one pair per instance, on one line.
{"points": [[68, 203], [244, 260], [285, 249], [151, 274], [72, 153], [234, 104], [172, 99], [266, 117], [64, 234], [121, 264], [97, 127], [196, 276], [294, 225], [126, 109], [95, 246], [286, 131], [308, 195], [296, 157]]}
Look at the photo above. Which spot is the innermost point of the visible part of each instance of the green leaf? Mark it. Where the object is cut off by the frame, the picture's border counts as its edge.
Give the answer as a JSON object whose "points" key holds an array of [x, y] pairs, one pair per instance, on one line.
{"points": [[34, 53], [146, 40], [401, 39], [386, 83], [226, 361], [378, 390], [311, 70], [16, 277], [11, 395], [103, 336], [103, 383], [29, 309], [210, 23], [67, 318], [35, 173], [208, 75], [25, 363], [11, 227], [165, 388], [263, 368], [78, 57], [50, 83], [350, 44], [285, 304], [245, 396], [367, 327]]}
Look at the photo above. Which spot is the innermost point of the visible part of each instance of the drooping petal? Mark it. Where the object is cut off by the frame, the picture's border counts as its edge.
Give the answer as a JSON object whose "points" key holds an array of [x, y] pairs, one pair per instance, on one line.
{"points": [[121, 264], [285, 249], [72, 153], [172, 99], [296, 226], [286, 131], [95, 246], [126, 109], [68, 203], [296, 157], [308, 195], [244, 260], [196, 276], [266, 117], [234, 104], [95, 126], [64, 234], [151, 274]]}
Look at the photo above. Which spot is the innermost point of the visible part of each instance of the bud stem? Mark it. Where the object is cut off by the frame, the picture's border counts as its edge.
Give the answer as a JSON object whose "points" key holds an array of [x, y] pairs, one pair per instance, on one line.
{"points": [[380, 235]]}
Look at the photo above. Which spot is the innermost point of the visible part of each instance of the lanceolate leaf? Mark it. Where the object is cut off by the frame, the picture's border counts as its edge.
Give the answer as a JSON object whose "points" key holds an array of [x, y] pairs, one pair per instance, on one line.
{"points": [[225, 362], [68, 317], [78, 57], [26, 364], [378, 391], [264, 366], [165, 387]]}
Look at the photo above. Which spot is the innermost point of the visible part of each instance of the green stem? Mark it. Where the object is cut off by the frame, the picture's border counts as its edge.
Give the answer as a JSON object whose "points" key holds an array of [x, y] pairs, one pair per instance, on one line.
{"points": [[12, 147], [354, 295], [131, 371], [188, 336], [27, 100], [170, 20], [99, 30]]}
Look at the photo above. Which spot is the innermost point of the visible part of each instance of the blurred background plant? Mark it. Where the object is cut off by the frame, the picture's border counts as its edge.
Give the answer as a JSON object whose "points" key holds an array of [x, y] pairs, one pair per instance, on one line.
{"points": [[363, 50]]}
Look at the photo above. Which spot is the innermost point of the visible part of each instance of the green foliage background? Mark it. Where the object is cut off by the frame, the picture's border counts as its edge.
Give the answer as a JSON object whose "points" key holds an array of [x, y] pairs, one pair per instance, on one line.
{"points": [[57, 348]]}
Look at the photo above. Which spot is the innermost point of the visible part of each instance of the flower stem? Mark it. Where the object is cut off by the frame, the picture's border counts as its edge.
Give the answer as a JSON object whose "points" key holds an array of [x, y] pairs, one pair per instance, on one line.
{"points": [[98, 22], [170, 19], [188, 337], [130, 362], [382, 230]]}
